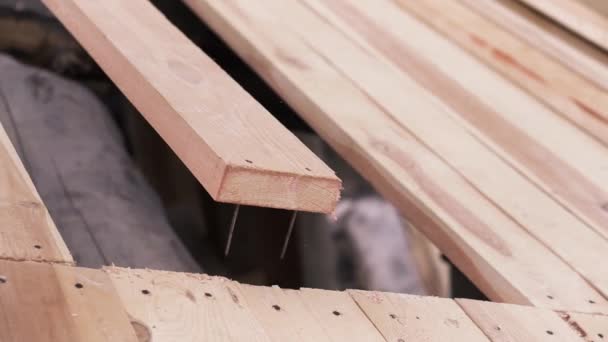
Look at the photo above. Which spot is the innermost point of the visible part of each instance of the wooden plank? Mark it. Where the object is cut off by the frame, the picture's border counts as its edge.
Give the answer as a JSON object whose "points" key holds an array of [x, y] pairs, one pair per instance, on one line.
{"points": [[473, 92], [338, 314], [27, 232], [588, 18], [235, 148], [515, 323], [283, 314], [593, 328], [44, 302], [171, 306], [501, 258], [567, 93], [401, 317], [547, 36]]}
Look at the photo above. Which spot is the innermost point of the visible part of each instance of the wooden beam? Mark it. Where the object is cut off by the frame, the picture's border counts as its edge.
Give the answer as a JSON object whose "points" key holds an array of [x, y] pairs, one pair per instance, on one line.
{"points": [[235, 148], [589, 18], [547, 36], [414, 150], [515, 323], [44, 302], [27, 231]]}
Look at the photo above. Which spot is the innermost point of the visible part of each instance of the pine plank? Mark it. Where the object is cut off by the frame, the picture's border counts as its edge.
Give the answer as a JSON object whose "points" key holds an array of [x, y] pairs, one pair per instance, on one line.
{"points": [[283, 314], [236, 149], [27, 231], [566, 92], [588, 18], [338, 315], [495, 109], [593, 328], [547, 36], [171, 306], [44, 302], [515, 323], [401, 317], [500, 257]]}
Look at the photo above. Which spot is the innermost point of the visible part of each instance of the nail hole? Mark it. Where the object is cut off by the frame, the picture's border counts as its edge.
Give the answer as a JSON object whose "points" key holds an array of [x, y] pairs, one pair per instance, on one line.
{"points": [[276, 307], [249, 161], [3, 280], [336, 313], [146, 292], [497, 328], [549, 332], [308, 169], [600, 335], [208, 295], [591, 301], [78, 285], [417, 317], [37, 246], [393, 316], [550, 296]]}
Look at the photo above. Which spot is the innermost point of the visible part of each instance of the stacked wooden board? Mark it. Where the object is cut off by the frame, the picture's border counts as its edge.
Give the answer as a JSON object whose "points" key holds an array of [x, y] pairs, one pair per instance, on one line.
{"points": [[495, 150], [42, 300]]}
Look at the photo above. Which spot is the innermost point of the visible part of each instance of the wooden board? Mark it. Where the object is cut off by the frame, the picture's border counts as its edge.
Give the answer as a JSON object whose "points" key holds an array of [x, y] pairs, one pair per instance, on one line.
{"points": [[517, 323], [566, 92], [471, 91], [235, 148], [593, 328], [170, 306], [27, 232], [401, 317], [42, 302], [547, 36], [589, 18], [366, 120]]}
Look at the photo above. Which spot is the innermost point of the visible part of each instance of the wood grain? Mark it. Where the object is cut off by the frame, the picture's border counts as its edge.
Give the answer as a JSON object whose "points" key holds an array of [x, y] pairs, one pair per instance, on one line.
{"points": [[566, 92], [547, 36], [43, 302], [593, 328], [371, 124], [495, 166], [401, 317], [27, 232], [235, 148], [171, 306], [517, 323], [588, 18]]}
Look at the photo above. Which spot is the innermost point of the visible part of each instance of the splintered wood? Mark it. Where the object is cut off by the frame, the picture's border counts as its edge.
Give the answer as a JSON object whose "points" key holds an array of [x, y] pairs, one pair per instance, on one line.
{"points": [[27, 232], [494, 151], [235, 148]]}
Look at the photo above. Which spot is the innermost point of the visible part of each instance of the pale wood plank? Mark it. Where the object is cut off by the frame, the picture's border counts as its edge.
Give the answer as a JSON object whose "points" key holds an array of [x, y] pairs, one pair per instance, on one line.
{"points": [[593, 328], [589, 18], [547, 36], [170, 306], [568, 94], [401, 317], [339, 315], [506, 322], [27, 231], [504, 261], [455, 78], [235, 148], [44, 302], [283, 314]]}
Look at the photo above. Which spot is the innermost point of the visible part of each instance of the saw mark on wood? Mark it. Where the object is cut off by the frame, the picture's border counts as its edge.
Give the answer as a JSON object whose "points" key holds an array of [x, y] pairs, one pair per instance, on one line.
{"points": [[508, 59], [589, 110]]}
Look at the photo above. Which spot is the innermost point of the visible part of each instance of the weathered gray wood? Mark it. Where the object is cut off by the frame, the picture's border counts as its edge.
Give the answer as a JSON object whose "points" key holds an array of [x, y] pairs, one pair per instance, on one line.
{"points": [[103, 207]]}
